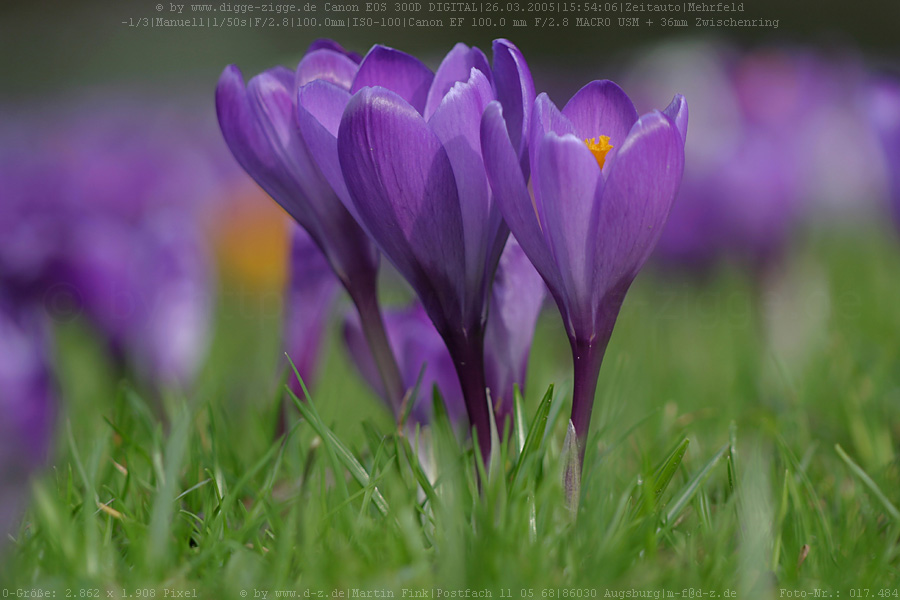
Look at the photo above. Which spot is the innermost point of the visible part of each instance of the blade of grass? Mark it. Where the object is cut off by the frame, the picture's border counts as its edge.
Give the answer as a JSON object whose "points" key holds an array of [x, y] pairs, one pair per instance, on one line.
{"points": [[869, 483], [779, 522], [535, 437], [666, 471], [732, 456], [334, 445], [520, 425], [409, 399], [164, 502], [691, 488]]}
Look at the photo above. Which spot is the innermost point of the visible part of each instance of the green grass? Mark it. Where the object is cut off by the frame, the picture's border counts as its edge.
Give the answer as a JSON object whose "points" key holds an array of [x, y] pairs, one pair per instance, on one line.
{"points": [[724, 456]]}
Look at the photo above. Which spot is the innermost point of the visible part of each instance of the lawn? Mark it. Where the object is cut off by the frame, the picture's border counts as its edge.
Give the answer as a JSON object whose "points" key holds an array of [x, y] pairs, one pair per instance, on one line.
{"points": [[744, 444]]}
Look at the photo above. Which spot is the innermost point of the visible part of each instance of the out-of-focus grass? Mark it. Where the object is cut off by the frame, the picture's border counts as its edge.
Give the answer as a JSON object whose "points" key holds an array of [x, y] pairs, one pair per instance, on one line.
{"points": [[731, 450]]}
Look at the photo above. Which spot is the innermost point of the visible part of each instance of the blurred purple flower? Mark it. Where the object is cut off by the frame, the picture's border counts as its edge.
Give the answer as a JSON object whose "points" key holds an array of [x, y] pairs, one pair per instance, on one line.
{"points": [[741, 180], [604, 181], [742, 207], [762, 149], [516, 299], [105, 218], [408, 145], [311, 291], [415, 342], [884, 111], [28, 406], [260, 124]]}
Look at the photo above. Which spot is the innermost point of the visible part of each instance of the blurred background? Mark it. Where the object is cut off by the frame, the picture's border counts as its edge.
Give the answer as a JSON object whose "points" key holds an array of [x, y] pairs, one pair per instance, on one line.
{"points": [[160, 264]]}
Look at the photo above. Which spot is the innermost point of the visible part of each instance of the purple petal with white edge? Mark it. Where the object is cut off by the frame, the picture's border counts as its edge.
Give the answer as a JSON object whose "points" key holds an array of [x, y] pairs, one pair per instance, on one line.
{"points": [[457, 124], [308, 300], [512, 196], [516, 299], [677, 111], [639, 191], [329, 65], [545, 118], [455, 67], [515, 91], [240, 129], [601, 108], [320, 106], [308, 198], [397, 71], [270, 95], [260, 125], [571, 185], [402, 185], [327, 44]]}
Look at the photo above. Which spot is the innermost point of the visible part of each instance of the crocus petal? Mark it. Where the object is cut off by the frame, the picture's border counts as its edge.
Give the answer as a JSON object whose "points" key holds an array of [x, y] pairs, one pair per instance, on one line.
{"points": [[570, 189], [516, 298], [397, 71], [457, 125], [511, 193], [455, 67], [327, 65], [239, 127], [299, 185], [639, 191], [402, 185], [320, 106], [677, 111], [270, 96], [601, 108], [546, 117], [515, 91], [326, 44], [308, 301], [416, 343]]}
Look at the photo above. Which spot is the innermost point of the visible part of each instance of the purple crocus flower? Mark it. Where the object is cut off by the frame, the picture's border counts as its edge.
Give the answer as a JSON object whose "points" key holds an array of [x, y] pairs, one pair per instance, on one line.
{"points": [[517, 296], [415, 342], [604, 181], [308, 300], [884, 111], [408, 145], [260, 124], [27, 403]]}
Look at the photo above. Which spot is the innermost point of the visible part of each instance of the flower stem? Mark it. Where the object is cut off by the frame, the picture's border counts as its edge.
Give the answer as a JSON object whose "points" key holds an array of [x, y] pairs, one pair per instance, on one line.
{"points": [[586, 360], [467, 352], [376, 336]]}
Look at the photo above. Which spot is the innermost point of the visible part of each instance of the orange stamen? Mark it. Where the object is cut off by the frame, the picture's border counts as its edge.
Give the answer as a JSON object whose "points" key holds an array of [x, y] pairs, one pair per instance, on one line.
{"points": [[599, 148]]}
